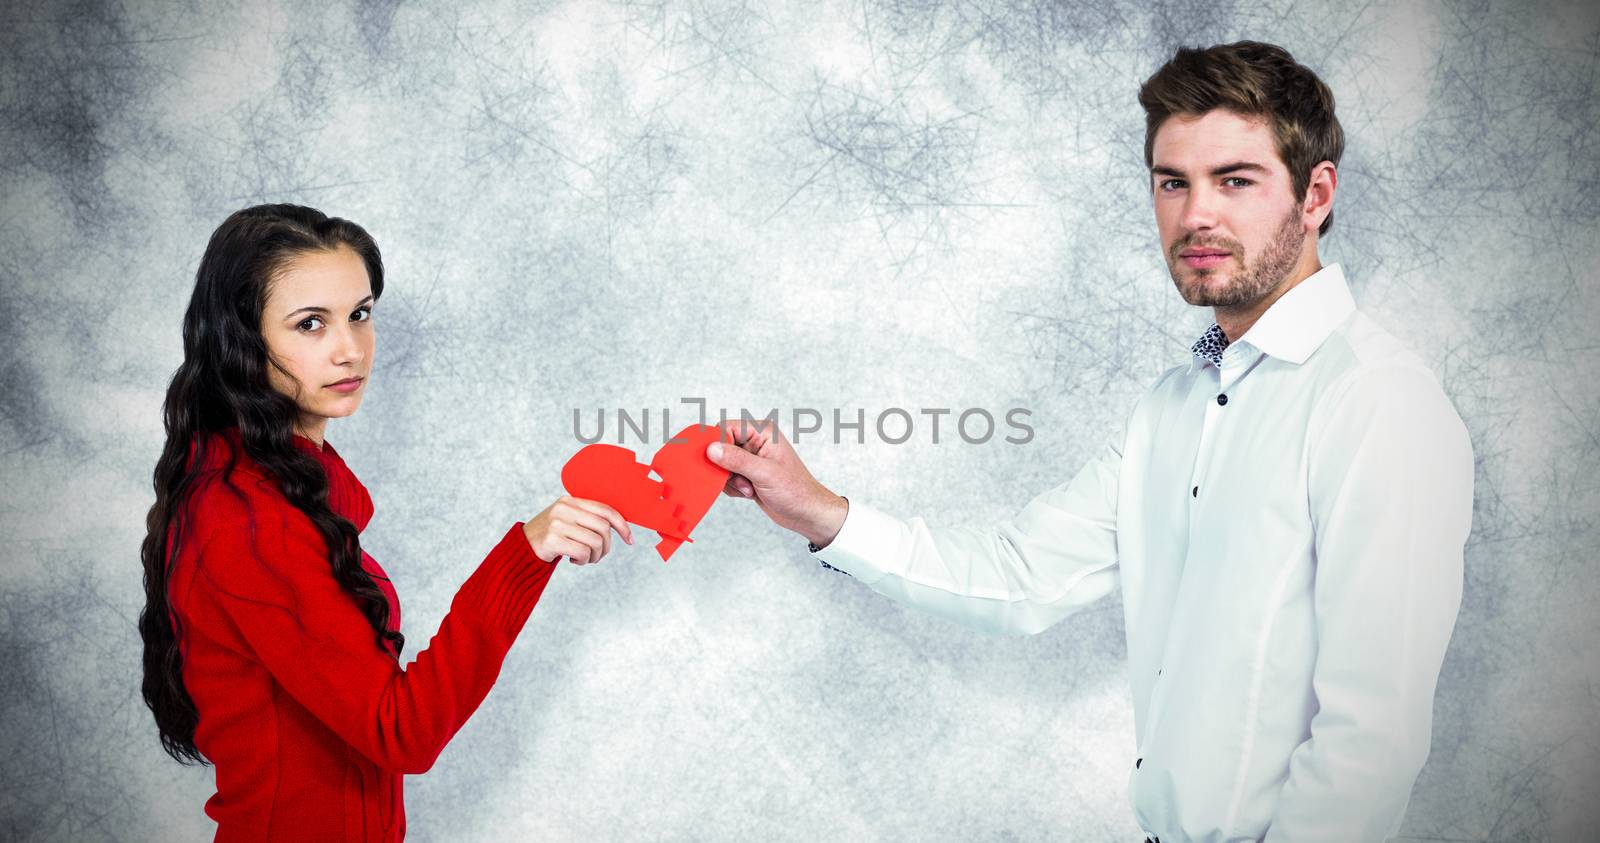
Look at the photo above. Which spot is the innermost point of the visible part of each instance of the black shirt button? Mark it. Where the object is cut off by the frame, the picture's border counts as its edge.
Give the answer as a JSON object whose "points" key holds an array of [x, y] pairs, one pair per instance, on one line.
{"points": [[1197, 491], [1223, 398], [1137, 763]]}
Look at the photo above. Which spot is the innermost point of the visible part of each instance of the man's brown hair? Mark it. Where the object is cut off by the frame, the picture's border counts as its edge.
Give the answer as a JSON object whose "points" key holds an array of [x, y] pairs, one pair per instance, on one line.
{"points": [[1251, 79]]}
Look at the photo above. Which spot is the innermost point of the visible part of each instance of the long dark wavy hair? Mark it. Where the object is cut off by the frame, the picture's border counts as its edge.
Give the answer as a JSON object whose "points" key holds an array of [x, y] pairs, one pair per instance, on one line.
{"points": [[223, 383]]}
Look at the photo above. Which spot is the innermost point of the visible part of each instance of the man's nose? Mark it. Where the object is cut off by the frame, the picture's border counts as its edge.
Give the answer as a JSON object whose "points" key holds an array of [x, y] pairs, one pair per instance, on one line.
{"points": [[1200, 209]]}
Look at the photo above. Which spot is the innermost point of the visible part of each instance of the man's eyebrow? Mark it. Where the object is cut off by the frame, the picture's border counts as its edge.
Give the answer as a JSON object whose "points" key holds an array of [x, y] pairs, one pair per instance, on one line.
{"points": [[1232, 167], [323, 310]]}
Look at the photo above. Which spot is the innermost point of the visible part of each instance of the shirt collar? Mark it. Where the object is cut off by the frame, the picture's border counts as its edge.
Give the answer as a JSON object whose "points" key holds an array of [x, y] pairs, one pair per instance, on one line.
{"points": [[1210, 346], [1293, 326]]}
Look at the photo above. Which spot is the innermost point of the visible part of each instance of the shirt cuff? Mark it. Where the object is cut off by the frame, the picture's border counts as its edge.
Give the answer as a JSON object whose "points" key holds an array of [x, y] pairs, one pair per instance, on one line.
{"points": [[866, 542]]}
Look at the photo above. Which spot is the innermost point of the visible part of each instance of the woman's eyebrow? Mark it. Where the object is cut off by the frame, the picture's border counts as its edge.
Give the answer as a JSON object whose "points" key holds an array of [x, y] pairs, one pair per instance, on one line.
{"points": [[317, 309]]}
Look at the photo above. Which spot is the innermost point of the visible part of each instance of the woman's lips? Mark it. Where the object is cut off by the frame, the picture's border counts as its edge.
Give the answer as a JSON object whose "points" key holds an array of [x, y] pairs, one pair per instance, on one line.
{"points": [[347, 386], [1206, 261]]}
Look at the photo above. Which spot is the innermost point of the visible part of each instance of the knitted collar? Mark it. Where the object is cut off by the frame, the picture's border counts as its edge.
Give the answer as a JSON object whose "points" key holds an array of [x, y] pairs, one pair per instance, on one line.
{"points": [[347, 497]]}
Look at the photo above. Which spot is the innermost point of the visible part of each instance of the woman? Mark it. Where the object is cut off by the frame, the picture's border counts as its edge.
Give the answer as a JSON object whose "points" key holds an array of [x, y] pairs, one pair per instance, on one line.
{"points": [[271, 638]]}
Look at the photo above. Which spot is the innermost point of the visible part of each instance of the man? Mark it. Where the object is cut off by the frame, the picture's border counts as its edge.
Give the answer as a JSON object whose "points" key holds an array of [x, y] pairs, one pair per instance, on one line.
{"points": [[1285, 513]]}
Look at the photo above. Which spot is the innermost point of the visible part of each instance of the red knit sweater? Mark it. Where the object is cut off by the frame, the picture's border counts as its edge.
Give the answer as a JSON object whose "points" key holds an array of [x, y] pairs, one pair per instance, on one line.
{"points": [[309, 724]]}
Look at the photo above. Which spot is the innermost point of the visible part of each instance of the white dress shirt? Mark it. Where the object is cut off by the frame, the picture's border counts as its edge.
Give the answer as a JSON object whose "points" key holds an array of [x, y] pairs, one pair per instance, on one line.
{"points": [[1287, 529]]}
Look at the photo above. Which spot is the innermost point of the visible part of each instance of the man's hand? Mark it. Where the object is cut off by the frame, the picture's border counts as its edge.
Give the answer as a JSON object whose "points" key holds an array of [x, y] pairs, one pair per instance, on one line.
{"points": [[767, 470]]}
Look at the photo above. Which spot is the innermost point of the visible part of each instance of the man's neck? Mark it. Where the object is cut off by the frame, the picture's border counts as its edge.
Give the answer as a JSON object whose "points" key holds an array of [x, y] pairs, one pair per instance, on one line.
{"points": [[1236, 320]]}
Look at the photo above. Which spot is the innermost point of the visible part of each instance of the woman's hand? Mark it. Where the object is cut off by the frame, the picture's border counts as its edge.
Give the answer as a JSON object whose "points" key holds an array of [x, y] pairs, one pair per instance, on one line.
{"points": [[576, 528]]}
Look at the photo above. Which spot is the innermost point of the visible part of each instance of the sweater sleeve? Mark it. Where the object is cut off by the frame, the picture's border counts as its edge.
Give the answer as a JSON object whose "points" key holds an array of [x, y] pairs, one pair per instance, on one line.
{"points": [[264, 576]]}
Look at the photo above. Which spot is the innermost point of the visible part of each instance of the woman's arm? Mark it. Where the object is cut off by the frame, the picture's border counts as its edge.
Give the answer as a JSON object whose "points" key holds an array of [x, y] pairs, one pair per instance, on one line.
{"points": [[263, 577]]}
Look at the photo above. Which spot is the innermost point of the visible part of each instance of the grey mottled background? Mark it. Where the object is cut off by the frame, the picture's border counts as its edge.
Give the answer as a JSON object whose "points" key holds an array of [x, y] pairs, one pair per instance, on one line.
{"points": [[914, 204]]}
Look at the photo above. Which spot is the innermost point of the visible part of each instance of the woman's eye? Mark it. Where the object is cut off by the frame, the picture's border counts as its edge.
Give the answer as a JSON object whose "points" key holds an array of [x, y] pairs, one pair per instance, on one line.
{"points": [[305, 326], [365, 314]]}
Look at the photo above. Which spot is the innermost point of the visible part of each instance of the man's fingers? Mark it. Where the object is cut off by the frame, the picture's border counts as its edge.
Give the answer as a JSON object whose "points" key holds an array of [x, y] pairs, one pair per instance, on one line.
{"points": [[752, 435], [738, 460]]}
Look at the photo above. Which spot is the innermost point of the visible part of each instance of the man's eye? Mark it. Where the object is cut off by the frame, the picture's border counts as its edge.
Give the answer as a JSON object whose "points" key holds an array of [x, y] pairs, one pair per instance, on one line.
{"points": [[365, 314], [1237, 181], [1171, 184], [304, 326]]}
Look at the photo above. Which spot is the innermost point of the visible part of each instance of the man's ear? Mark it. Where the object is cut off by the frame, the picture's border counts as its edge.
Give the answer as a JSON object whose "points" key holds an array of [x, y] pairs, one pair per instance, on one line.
{"points": [[1318, 203]]}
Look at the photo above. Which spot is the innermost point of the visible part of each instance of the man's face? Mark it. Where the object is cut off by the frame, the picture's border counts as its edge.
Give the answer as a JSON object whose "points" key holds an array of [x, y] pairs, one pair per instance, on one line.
{"points": [[1230, 225]]}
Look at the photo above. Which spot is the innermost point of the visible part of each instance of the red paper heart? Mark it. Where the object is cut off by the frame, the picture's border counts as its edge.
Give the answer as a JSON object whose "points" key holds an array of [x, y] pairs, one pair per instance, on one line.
{"points": [[671, 506]]}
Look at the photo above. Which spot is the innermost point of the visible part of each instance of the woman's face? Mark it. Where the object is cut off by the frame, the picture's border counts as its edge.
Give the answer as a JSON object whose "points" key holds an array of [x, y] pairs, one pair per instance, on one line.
{"points": [[317, 323]]}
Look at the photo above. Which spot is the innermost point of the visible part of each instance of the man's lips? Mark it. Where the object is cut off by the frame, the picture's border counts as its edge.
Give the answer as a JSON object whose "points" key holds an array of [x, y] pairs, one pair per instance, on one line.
{"points": [[1203, 258]]}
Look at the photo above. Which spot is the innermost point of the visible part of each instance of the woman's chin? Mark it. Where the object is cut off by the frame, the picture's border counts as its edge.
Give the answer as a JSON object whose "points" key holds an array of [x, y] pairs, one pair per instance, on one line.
{"points": [[340, 409]]}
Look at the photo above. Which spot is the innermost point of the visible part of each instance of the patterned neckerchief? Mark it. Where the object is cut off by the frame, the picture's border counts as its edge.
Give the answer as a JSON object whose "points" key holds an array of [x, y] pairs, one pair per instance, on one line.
{"points": [[1211, 344]]}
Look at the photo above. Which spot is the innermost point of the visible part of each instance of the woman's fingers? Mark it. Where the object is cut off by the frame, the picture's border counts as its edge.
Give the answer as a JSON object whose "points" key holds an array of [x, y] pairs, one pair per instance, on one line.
{"points": [[593, 546], [579, 529], [575, 514], [576, 552], [597, 542], [612, 517]]}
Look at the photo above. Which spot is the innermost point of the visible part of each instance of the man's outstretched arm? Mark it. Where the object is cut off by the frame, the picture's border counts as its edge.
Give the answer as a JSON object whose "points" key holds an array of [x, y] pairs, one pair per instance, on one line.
{"points": [[1020, 576]]}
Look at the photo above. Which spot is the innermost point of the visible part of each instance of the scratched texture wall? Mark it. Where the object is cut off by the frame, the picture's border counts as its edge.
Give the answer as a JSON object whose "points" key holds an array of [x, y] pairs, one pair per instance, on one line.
{"points": [[767, 205]]}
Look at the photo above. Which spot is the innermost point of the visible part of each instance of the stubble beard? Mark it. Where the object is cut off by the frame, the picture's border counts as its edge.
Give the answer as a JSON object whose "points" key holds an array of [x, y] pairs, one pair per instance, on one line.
{"points": [[1255, 279]]}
